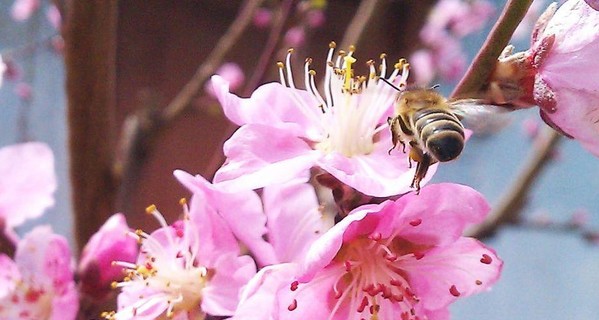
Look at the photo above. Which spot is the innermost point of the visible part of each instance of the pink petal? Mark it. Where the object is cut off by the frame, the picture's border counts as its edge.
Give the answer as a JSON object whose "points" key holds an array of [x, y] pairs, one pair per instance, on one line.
{"points": [[294, 219], [28, 182], [274, 105], [577, 115], [66, 305], [376, 174], [259, 297], [241, 211], [466, 264], [9, 275], [443, 211], [260, 155], [220, 298], [23, 9], [111, 243], [45, 256]]}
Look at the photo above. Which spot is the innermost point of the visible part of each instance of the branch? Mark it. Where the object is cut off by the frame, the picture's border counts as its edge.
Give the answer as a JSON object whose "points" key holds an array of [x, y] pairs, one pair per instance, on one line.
{"points": [[499, 37], [147, 124], [209, 66], [358, 24], [509, 207]]}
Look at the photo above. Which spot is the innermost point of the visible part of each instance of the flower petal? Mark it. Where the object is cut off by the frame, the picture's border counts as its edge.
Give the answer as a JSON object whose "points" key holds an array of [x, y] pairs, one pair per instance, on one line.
{"points": [[26, 169], [259, 155], [221, 296], [9, 275], [294, 219], [274, 105], [461, 269]]}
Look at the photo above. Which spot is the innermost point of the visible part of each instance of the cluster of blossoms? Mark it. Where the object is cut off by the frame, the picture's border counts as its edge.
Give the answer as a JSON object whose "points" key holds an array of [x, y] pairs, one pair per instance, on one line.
{"points": [[262, 241]]}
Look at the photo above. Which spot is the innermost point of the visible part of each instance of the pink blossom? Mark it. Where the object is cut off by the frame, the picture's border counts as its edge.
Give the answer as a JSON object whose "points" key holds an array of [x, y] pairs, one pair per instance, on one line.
{"points": [[28, 182], [262, 18], [295, 36], [564, 50], [403, 259], [23, 9], [241, 212], [423, 68], [111, 243], [38, 284], [53, 16], [185, 270], [286, 131]]}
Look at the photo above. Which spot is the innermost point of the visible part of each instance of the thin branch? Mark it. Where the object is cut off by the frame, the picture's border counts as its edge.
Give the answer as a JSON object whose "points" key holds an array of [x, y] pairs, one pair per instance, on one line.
{"points": [[499, 37], [146, 125], [358, 24], [509, 207], [209, 66]]}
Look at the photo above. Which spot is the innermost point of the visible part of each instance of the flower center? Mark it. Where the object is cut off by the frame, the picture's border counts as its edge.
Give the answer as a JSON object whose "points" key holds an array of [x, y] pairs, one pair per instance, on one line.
{"points": [[169, 268], [354, 108], [374, 279]]}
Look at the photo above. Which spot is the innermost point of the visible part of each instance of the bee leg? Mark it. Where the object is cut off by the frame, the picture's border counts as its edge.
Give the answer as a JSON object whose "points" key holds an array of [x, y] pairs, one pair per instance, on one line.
{"points": [[423, 163], [393, 125]]}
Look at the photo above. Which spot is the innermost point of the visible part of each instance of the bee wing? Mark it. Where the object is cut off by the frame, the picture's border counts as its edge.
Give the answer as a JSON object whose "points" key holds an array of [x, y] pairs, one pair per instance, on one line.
{"points": [[480, 117]]}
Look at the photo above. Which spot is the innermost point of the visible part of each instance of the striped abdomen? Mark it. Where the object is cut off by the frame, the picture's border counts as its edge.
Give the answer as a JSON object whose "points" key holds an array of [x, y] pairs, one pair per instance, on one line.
{"points": [[440, 132]]}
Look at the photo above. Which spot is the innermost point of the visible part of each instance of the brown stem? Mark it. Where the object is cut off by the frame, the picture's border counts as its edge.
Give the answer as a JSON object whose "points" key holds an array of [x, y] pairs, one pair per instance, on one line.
{"points": [[146, 125], [90, 53], [509, 207], [209, 66], [358, 24], [499, 37]]}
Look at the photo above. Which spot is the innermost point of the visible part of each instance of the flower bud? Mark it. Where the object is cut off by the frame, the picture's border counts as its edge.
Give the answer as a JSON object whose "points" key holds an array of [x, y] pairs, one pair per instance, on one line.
{"points": [[110, 243]]}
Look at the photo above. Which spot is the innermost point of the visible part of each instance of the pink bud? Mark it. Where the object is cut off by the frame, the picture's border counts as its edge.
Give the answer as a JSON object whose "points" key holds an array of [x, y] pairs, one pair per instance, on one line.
{"points": [[295, 37], [53, 16], [110, 243], [232, 73], [262, 18], [23, 9], [315, 18]]}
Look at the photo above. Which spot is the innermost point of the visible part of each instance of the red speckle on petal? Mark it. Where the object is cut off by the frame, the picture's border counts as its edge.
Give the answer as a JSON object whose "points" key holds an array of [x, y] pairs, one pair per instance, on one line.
{"points": [[415, 222], [486, 259], [478, 282], [179, 233], [33, 295], [418, 255], [293, 305], [294, 285], [454, 291]]}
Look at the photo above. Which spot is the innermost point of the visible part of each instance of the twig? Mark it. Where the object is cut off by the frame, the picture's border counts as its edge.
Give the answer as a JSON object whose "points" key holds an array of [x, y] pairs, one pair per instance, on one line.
{"points": [[509, 207], [358, 24], [147, 123], [209, 66], [499, 37]]}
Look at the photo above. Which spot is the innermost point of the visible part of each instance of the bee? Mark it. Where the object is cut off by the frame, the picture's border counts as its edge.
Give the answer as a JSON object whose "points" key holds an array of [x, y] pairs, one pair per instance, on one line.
{"points": [[432, 126]]}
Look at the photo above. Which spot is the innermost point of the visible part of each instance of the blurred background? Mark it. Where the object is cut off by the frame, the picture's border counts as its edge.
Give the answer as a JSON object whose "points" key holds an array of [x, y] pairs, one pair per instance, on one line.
{"points": [[90, 79]]}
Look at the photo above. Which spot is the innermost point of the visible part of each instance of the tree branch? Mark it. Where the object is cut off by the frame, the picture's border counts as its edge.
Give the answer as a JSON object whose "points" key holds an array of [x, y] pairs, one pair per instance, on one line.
{"points": [[509, 207], [499, 37]]}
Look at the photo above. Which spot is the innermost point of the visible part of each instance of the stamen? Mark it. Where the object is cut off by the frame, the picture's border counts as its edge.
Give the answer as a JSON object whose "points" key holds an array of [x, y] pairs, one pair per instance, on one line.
{"points": [[288, 69]]}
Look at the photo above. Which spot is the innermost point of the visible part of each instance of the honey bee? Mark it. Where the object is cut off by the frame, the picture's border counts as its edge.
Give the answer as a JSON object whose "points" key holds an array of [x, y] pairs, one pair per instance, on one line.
{"points": [[432, 126]]}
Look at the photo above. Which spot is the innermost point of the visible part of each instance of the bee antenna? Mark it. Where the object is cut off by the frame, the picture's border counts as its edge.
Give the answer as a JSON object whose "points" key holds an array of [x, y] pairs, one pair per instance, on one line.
{"points": [[389, 83], [436, 86]]}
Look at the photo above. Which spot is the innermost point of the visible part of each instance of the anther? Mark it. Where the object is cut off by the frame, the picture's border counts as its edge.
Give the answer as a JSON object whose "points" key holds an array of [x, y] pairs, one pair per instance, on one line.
{"points": [[486, 259], [332, 45], [454, 291], [150, 209], [294, 285], [293, 305]]}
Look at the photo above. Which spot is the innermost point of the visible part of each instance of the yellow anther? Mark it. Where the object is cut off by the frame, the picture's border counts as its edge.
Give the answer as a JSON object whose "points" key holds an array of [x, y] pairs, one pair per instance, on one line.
{"points": [[309, 60], [114, 284], [383, 56], [401, 63], [150, 209], [332, 45], [290, 50], [280, 64], [182, 201], [352, 48], [312, 72]]}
